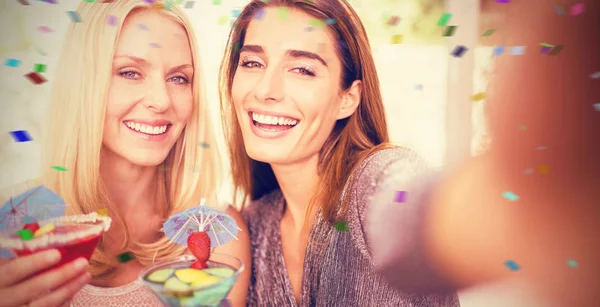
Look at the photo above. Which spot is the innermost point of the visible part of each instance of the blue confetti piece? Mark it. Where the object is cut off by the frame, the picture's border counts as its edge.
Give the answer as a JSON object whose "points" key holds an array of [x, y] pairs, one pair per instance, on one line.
{"points": [[559, 10], [459, 51], [518, 50], [545, 49], [154, 45], [498, 50], [513, 266], [236, 13], [510, 196], [260, 14], [330, 21], [572, 263], [12, 62], [21, 136], [74, 16]]}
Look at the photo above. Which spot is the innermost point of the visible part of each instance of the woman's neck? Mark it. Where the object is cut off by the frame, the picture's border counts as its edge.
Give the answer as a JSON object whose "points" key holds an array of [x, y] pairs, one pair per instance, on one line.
{"points": [[298, 183]]}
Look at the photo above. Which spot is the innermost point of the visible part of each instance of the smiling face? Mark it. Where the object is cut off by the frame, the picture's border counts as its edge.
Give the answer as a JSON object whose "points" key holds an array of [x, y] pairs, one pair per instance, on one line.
{"points": [[150, 97], [286, 89]]}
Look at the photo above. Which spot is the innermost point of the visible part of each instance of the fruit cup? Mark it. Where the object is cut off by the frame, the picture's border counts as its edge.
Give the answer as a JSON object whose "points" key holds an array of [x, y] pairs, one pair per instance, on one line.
{"points": [[73, 236], [176, 284]]}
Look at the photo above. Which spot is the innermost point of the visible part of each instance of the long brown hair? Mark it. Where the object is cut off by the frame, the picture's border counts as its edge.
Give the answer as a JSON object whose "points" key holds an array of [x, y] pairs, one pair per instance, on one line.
{"points": [[352, 139]]}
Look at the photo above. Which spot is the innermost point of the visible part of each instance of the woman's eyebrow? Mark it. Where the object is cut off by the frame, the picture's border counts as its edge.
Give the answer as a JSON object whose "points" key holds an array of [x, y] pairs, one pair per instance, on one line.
{"points": [[291, 52], [138, 60]]}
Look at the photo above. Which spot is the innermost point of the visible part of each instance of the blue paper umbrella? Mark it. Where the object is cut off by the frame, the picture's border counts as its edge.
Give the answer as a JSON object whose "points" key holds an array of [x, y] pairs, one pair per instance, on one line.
{"points": [[36, 204], [220, 227]]}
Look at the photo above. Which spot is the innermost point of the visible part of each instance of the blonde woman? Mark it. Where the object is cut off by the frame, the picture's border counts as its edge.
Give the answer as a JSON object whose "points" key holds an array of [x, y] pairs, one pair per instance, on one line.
{"points": [[126, 120]]}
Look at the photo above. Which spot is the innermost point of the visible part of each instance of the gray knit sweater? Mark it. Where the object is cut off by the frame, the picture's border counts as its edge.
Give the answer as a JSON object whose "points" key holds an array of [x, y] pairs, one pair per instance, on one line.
{"points": [[346, 269]]}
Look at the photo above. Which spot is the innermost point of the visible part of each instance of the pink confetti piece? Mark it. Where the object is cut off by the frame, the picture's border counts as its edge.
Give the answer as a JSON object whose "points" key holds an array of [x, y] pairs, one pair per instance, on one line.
{"points": [[45, 29], [577, 9], [111, 20], [400, 197]]}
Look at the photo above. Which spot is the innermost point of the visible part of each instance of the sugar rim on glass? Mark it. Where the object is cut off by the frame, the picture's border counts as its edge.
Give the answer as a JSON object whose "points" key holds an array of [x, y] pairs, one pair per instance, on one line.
{"points": [[55, 238]]}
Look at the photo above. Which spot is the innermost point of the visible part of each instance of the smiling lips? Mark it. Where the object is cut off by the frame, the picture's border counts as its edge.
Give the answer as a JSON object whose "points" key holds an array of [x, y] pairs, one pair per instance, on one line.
{"points": [[147, 129]]}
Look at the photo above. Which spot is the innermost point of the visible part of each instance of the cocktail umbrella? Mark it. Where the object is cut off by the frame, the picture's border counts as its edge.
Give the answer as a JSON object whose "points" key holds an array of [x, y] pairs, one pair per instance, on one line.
{"points": [[35, 204], [220, 227]]}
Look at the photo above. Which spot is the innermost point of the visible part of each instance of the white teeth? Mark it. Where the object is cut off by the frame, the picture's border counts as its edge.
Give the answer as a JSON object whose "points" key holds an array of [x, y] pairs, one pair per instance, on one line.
{"points": [[273, 120], [146, 129]]}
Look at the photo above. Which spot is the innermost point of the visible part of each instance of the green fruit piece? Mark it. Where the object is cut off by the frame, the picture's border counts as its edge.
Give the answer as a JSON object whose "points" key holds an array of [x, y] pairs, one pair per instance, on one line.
{"points": [[160, 275], [206, 281], [190, 275], [220, 272], [176, 285]]}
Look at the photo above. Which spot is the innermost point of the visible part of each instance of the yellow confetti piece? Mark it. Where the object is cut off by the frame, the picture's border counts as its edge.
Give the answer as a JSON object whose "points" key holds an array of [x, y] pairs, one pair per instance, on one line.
{"points": [[103, 212], [223, 20], [44, 230], [544, 169], [397, 39], [478, 97]]}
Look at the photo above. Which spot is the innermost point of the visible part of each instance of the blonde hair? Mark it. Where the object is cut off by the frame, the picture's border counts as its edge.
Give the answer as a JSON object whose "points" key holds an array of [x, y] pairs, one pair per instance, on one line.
{"points": [[76, 120]]}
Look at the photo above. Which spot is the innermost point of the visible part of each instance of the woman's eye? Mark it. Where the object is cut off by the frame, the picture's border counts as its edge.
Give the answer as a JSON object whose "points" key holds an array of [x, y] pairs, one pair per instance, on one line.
{"points": [[251, 64], [180, 80], [130, 75], [305, 71]]}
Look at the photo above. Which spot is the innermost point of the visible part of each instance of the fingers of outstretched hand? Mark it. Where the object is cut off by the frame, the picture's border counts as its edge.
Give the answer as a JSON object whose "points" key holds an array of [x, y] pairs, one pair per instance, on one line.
{"points": [[34, 288], [20, 268], [62, 295]]}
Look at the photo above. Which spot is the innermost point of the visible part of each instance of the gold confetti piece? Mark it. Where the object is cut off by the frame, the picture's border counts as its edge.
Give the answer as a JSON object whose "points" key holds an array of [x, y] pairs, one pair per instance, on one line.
{"points": [[102, 211], [397, 39], [544, 169], [478, 97], [523, 127]]}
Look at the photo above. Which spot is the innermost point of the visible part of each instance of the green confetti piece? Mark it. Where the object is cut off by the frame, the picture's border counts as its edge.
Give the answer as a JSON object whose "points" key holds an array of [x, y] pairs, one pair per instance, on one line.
{"points": [[25, 234], [315, 23], [488, 32], [572, 263], [284, 13], [39, 68], [341, 226], [216, 2], [546, 45], [510, 196], [59, 168], [223, 20], [444, 19], [125, 257], [450, 31]]}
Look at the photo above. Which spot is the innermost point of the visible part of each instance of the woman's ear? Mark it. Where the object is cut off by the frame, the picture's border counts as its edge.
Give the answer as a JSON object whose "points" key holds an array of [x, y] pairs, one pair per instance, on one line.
{"points": [[350, 100]]}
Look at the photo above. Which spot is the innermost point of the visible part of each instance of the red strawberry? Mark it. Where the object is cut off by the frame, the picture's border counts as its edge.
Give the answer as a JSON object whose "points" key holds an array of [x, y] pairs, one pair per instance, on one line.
{"points": [[33, 227], [199, 244], [199, 265]]}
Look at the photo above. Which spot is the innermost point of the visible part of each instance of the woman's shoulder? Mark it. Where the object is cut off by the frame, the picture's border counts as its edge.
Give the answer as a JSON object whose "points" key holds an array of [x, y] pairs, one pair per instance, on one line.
{"points": [[264, 208]]}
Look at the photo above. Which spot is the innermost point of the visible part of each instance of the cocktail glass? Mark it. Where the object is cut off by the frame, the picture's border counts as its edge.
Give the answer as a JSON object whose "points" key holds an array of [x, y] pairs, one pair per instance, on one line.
{"points": [[205, 296], [74, 236]]}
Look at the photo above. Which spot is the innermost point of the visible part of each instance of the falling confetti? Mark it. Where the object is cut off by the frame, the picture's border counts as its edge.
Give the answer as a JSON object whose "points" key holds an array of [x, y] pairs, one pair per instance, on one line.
{"points": [[544, 169], [216, 2], [341, 226], [522, 127], [400, 197], [59, 168], [35, 78], [450, 31], [143, 27], [510, 196], [503, 1], [595, 75], [498, 50], [459, 51], [125, 257], [45, 29], [396, 38], [572, 263], [528, 171], [39, 68], [478, 97], [556, 50], [315, 23], [513, 266], [49, 1], [204, 145], [559, 10], [235, 13], [102, 211], [546, 45], [12, 63], [545, 49], [21, 136], [260, 14], [223, 20], [74, 16], [541, 147], [393, 20], [444, 19], [154, 45], [111, 20], [284, 13], [190, 5], [488, 32], [518, 50], [329, 21], [577, 9], [597, 106], [25, 234]]}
